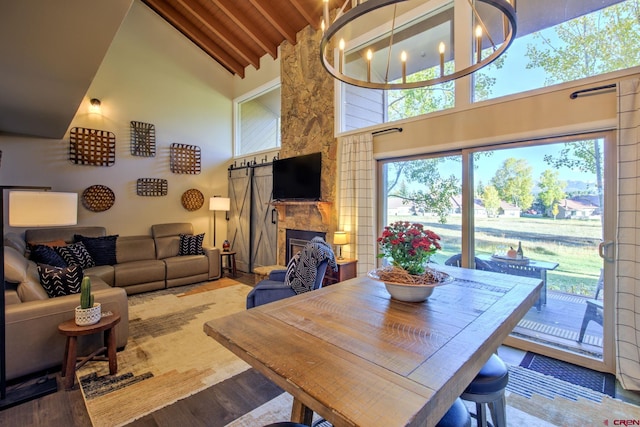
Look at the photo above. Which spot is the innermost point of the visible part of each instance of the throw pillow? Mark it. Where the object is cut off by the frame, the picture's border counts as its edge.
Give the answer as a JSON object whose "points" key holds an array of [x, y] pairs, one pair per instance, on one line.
{"points": [[51, 244], [102, 249], [76, 254], [190, 244], [291, 268], [42, 254], [60, 281]]}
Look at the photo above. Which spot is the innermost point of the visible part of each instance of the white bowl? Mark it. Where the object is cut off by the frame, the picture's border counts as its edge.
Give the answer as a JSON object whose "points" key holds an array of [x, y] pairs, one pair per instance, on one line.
{"points": [[409, 293]]}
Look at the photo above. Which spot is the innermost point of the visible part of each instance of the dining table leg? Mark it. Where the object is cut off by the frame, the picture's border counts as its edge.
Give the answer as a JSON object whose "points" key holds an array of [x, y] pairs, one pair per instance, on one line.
{"points": [[300, 413]]}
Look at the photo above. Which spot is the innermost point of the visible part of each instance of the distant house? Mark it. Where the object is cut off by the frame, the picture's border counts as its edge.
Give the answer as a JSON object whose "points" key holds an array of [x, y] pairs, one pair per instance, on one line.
{"points": [[575, 208], [456, 207], [397, 207], [508, 210]]}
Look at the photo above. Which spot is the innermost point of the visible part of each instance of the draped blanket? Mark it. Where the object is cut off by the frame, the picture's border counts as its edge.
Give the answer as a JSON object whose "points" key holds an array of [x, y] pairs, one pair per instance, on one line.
{"points": [[303, 267]]}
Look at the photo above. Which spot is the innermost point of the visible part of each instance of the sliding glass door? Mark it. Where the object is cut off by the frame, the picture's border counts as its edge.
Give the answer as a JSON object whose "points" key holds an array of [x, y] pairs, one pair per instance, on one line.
{"points": [[540, 209]]}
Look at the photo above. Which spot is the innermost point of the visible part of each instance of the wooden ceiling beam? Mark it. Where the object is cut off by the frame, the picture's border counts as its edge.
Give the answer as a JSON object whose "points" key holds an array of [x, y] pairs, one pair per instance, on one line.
{"points": [[203, 16], [270, 13], [196, 36], [309, 15], [229, 8]]}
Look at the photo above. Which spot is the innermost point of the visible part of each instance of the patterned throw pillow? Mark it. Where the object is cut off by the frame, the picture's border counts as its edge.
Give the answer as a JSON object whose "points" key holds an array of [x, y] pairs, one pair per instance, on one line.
{"points": [[291, 268], [76, 254], [190, 244], [102, 249], [43, 254], [60, 281]]}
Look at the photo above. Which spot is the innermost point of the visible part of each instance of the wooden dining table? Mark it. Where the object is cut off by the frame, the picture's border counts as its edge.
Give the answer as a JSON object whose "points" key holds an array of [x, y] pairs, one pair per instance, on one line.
{"points": [[357, 357]]}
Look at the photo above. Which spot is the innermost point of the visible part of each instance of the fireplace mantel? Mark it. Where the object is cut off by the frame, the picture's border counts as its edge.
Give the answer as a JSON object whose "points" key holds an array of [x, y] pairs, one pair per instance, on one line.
{"points": [[323, 207]]}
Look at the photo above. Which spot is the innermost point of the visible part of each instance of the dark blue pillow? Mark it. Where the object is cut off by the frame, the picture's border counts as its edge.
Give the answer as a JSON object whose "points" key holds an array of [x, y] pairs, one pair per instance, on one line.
{"points": [[43, 254], [102, 249], [59, 281]]}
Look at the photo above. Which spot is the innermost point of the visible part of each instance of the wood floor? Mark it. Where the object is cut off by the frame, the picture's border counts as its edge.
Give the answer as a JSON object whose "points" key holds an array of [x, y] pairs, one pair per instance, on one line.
{"points": [[215, 406]]}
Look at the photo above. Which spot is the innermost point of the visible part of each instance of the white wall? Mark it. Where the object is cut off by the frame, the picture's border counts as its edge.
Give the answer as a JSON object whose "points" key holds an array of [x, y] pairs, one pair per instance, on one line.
{"points": [[153, 74]]}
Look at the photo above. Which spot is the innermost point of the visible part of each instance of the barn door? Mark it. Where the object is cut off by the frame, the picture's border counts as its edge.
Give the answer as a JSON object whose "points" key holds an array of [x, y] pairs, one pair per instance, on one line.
{"points": [[264, 219], [239, 230]]}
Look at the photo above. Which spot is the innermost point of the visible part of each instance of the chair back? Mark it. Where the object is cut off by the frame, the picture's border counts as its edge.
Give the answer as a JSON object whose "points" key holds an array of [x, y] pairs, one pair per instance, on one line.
{"points": [[600, 283], [456, 261], [322, 268]]}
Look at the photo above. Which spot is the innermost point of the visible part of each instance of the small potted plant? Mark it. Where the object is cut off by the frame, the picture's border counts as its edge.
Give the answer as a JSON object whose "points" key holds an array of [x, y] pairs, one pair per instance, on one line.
{"points": [[88, 312]]}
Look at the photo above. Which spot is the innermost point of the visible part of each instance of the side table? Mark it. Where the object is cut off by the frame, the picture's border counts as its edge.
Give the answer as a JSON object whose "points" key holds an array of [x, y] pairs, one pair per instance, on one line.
{"points": [[347, 269], [73, 331], [231, 262]]}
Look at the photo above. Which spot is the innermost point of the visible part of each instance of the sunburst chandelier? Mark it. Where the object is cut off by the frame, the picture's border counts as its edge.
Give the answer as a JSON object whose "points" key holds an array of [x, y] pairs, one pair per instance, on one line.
{"points": [[407, 44]]}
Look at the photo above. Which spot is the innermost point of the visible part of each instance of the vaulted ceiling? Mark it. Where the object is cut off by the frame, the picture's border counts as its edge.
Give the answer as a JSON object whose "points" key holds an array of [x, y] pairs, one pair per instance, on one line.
{"points": [[237, 33]]}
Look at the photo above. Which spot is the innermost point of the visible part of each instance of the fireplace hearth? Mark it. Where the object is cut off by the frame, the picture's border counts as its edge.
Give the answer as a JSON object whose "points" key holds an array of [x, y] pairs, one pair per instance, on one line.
{"points": [[296, 239]]}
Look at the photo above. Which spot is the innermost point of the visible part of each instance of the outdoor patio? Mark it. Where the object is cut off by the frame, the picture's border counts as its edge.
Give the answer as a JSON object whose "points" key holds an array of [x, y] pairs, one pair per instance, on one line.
{"points": [[559, 321]]}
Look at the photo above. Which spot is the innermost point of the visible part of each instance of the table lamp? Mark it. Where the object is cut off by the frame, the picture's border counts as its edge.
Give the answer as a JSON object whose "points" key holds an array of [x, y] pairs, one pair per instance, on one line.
{"points": [[217, 203], [339, 239], [30, 209]]}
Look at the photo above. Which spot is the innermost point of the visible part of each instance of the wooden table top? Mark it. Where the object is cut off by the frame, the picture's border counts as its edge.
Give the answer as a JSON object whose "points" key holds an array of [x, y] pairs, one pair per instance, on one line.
{"points": [[356, 357]]}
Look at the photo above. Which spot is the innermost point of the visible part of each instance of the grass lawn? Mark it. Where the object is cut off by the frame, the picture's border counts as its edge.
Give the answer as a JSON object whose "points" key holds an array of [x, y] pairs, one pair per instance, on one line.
{"points": [[572, 243]]}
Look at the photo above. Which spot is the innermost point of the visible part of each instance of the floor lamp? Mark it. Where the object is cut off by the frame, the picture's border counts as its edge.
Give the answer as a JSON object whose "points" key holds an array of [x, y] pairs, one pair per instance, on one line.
{"points": [[30, 209], [217, 203]]}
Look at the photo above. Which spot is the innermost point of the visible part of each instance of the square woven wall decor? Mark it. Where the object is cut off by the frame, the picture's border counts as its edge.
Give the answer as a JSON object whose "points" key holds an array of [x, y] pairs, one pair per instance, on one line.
{"points": [[151, 187], [185, 159], [143, 139], [92, 147]]}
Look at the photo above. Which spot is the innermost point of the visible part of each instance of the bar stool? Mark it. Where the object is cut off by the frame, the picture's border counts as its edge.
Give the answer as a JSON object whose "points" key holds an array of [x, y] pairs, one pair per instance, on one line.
{"points": [[488, 388], [286, 424], [456, 416]]}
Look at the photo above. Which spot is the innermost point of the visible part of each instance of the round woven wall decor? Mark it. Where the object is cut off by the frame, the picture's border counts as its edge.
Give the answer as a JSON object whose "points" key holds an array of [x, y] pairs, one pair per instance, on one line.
{"points": [[192, 199], [98, 198]]}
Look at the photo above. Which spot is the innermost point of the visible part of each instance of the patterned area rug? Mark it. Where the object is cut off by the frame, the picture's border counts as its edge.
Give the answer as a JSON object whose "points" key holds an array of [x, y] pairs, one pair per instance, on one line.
{"points": [[168, 356]]}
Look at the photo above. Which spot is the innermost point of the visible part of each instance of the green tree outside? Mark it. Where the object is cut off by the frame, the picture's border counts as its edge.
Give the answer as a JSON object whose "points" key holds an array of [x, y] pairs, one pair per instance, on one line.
{"points": [[514, 182]]}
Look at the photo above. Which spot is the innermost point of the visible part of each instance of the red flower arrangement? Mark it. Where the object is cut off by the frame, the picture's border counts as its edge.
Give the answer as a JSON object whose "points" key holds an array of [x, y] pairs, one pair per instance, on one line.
{"points": [[408, 245]]}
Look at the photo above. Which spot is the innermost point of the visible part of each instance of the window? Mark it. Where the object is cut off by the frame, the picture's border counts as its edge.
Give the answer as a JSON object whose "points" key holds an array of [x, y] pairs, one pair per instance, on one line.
{"points": [[557, 41], [257, 118], [556, 47], [551, 198]]}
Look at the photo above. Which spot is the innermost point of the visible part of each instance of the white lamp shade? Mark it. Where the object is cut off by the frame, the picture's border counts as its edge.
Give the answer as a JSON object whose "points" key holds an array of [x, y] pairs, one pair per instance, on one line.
{"points": [[340, 238], [42, 208], [219, 204]]}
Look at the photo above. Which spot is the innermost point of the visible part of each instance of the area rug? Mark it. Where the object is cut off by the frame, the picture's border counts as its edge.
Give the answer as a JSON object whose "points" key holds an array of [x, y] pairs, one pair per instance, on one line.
{"points": [[168, 356], [594, 380]]}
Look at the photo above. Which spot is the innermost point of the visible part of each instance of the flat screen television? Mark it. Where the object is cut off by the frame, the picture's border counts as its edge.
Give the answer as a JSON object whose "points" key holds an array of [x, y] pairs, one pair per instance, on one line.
{"points": [[297, 178]]}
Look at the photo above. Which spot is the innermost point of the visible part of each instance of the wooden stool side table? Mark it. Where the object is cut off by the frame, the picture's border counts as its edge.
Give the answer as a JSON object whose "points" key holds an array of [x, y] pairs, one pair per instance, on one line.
{"points": [[73, 331], [231, 262]]}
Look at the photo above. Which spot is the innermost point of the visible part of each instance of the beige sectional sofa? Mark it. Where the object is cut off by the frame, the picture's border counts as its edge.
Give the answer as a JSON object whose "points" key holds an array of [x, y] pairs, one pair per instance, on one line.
{"points": [[144, 263]]}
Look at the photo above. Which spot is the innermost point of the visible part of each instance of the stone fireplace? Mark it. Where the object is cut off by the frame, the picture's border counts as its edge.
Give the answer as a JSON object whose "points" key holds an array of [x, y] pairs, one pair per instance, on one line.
{"points": [[296, 239]]}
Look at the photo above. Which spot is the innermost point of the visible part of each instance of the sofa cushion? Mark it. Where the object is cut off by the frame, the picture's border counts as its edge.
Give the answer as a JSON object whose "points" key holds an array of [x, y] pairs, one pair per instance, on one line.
{"points": [[76, 254], [137, 272], [191, 245], [31, 289], [135, 248], [60, 281], [102, 249], [15, 241], [43, 254], [15, 265]]}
